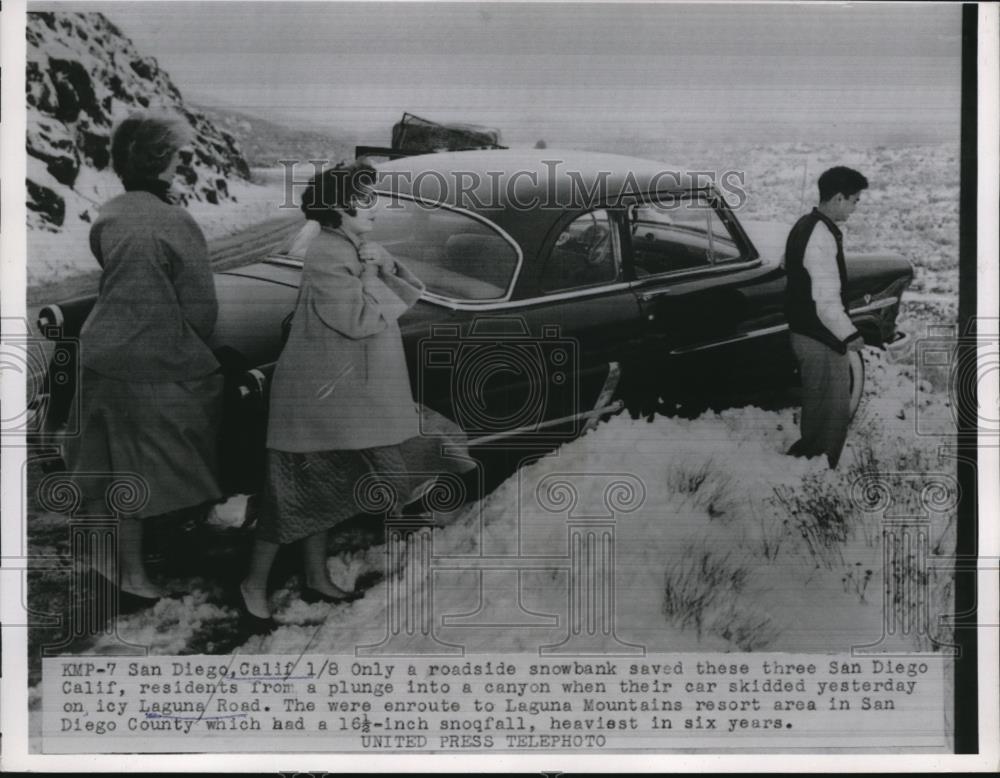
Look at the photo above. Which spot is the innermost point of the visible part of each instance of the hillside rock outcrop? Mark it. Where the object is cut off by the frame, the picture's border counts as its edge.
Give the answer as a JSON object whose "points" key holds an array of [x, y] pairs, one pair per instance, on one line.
{"points": [[83, 75]]}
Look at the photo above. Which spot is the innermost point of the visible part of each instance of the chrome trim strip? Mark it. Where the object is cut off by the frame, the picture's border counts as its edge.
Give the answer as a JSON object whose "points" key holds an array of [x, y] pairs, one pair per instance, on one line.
{"points": [[707, 271], [283, 261], [596, 413], [617, 250], [778, 328], [489, 305], [876, 305], [607, 392], [618, 286], [743, 336], [528, 303], [590, 290]]}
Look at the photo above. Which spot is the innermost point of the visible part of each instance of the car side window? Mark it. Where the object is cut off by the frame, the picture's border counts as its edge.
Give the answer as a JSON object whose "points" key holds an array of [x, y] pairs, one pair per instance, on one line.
{"points": [[454, 254], [683, 233], [583, 254]]}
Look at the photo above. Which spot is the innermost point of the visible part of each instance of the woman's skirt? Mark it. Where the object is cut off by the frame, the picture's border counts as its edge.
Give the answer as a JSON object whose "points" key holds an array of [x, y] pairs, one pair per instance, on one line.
{"points": [[306, 493], [146, 449]]}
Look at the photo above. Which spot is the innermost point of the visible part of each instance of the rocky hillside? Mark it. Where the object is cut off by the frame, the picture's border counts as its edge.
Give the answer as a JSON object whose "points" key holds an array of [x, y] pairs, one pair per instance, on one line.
{"points": [[83, 76], [266, 144]]}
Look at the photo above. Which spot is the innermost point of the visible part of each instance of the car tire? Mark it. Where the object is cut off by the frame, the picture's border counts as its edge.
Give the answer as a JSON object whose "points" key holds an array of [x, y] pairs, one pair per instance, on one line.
{"points": [[857, 385]]}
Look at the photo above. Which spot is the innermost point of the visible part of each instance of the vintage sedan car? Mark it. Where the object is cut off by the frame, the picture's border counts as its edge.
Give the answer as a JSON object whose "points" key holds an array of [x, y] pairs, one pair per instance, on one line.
{"points": [[557, 294]]}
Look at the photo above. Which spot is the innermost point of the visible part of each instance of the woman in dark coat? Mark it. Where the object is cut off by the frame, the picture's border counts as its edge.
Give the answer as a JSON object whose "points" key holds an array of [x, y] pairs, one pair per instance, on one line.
{"points": [[341, 405], [150, 393]]}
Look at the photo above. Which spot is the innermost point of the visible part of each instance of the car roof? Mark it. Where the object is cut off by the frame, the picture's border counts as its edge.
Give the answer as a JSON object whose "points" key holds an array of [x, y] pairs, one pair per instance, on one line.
{"points": [[527, 191], [537, 172]]}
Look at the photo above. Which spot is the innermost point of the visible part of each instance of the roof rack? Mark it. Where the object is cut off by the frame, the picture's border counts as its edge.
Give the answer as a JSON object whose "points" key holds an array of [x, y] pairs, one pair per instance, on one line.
{"points": [[416, 135]]}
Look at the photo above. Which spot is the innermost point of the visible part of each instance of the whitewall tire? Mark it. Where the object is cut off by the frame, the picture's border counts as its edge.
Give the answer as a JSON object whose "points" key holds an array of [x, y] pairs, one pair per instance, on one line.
{"points": [[857, 365]]}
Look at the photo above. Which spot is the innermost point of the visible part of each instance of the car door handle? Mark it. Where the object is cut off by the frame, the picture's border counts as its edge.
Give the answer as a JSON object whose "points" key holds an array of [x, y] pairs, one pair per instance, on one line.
{"points": [[650, 296]]}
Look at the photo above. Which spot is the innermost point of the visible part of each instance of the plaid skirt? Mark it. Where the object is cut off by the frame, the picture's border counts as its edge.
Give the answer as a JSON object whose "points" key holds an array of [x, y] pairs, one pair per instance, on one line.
{"points": [[145, 449], [307, 493]]}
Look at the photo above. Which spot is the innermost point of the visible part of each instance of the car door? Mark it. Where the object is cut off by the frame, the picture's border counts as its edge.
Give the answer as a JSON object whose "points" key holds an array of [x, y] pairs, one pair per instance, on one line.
{"points": [[687, 267], [582, 289]]}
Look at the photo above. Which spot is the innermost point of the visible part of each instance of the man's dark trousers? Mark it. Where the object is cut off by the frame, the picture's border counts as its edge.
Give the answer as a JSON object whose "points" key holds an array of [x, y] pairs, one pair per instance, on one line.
{"points": [[826, 399]]}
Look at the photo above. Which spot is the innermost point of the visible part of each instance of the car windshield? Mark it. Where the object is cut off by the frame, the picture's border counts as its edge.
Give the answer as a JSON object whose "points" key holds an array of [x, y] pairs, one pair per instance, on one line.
{"points": [[456, 255]]}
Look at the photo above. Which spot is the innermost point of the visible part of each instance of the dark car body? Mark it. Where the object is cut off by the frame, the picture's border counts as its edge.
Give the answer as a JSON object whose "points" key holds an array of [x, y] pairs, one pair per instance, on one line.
{"points": [[582, 283]]}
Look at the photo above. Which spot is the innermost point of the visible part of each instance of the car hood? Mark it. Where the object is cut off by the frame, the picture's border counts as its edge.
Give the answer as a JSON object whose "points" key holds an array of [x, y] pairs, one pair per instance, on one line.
{"points": [[872, 273], [769, 238]]}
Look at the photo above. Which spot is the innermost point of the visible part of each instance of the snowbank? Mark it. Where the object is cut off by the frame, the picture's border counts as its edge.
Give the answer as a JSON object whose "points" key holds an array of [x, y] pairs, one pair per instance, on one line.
{"points": [[733, 545]]}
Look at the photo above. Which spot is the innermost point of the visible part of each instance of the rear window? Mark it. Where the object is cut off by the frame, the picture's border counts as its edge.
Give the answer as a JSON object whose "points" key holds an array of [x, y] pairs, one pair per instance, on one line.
{"points": [[456, 255]]}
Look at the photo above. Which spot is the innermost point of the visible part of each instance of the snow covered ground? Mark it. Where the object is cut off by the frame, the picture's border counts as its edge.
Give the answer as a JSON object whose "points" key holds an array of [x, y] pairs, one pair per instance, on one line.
{"points": [[734, 547]]}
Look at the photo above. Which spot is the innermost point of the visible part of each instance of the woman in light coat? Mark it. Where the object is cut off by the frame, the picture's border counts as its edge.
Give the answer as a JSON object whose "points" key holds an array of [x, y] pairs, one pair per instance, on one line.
{"points": [[341, 405]]}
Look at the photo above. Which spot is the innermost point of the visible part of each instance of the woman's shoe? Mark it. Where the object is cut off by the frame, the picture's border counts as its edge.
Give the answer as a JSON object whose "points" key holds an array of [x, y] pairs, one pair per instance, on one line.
{"points": [[128, 602], [255, 625], [251, 623], [131, 603], [310, 596]]}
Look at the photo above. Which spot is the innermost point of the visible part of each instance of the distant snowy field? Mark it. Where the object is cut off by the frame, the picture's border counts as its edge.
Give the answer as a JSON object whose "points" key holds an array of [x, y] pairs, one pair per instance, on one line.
{"points": [[911, 207]]}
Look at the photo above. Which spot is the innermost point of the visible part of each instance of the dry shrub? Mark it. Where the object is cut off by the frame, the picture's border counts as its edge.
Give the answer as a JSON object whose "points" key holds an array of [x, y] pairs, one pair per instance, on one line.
{"points": [[707, 488], [703, 591]]}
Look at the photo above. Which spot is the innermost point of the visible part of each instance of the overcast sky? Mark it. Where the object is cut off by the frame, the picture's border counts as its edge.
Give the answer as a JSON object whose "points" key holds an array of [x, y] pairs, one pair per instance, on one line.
{"points": [[568, 71]]}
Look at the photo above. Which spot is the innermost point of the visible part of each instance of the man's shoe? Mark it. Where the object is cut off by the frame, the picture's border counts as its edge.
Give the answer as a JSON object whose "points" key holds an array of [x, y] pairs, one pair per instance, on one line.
{"points": [[131, 603]]}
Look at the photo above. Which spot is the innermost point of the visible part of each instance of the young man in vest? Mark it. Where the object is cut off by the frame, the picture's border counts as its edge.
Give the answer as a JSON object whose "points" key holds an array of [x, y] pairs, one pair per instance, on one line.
{"points": [[816, 306]]}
